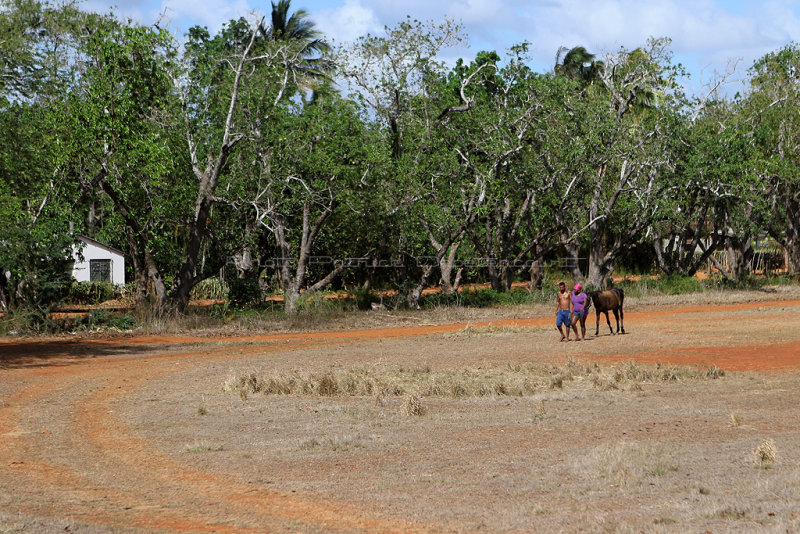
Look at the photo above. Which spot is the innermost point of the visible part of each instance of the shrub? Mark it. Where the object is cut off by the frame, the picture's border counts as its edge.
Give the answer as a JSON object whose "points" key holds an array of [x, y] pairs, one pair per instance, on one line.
{"points": [[104, 318], [475, 298], [412, 405], [365, 298], [210, 288], [92, 292], [245, 292]]}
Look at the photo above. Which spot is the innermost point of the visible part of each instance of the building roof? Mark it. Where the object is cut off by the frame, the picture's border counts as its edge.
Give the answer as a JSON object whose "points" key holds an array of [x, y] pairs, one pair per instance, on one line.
{"points": [[90, 241]]}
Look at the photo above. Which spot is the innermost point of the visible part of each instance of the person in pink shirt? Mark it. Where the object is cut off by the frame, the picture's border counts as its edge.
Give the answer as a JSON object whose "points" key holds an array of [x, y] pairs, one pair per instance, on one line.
{"points": [[580, 309]]}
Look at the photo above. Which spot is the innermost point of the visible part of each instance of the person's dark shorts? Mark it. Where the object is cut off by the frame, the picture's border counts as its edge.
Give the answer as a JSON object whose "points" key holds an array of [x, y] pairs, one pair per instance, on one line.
{"points": [[581, 315], [562, 318]]}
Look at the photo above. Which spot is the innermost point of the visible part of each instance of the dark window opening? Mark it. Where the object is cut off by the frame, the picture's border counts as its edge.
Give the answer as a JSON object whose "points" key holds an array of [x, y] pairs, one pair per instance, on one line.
{"points": [[100, 270]]}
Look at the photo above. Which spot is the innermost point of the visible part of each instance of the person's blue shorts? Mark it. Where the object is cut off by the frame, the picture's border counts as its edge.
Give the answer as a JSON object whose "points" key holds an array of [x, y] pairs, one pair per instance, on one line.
{"points": [[562, 318]]}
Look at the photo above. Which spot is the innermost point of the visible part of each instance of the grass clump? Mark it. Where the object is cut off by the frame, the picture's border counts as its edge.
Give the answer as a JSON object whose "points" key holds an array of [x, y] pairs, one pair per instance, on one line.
{"points": [[736, 419], [539, 413], [766, 454], [412, 406], [103, 319], [202, 447]]}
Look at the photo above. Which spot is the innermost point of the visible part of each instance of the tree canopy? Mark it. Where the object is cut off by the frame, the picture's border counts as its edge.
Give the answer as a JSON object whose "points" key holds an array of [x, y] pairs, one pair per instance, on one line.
{"points": [[261, 153]]}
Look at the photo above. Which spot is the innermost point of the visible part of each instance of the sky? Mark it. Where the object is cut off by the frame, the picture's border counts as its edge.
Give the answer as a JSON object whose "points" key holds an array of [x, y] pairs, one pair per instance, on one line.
{"points": [[709, 37]]}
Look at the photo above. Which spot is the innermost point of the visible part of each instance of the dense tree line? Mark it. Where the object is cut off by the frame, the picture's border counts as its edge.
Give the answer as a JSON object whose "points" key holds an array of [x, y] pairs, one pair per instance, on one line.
{"points": [[264, 151]]}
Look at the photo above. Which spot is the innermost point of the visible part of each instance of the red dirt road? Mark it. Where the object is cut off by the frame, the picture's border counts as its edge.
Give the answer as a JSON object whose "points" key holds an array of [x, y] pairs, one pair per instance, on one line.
{"points": [[66, 453]]}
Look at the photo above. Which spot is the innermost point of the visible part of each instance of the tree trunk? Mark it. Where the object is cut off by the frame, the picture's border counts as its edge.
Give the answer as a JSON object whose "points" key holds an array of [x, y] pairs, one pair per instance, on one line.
{"points": [[599, 270], [495, 276], [414, 293], [572, 260], [156, 281], [243, 261], [536, 271], [739, 254], [290, 299], [446, 264], [507, 275]]}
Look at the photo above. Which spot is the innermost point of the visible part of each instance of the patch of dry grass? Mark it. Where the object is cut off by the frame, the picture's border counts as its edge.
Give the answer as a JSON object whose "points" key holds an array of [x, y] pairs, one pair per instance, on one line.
{"points": [[335, 443], [473, 331], [736, 419], [203, 446], [627, 463], [510, 381]]}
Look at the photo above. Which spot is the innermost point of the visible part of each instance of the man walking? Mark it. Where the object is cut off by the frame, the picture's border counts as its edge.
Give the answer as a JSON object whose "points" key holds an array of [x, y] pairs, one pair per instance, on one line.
{"points": [[563, 310]]}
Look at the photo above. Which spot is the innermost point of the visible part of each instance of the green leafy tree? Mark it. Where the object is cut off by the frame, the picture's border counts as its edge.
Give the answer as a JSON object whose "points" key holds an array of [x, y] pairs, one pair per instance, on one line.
{"points": [[391, 77], [299, 28], [37, 62], [309, 179], [709, 206], [500, 142], [772, 110], [628, 153], [579, 65]]}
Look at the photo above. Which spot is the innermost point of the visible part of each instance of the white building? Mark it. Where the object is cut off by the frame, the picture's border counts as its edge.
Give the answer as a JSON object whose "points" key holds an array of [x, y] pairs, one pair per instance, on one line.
{"points": [[97, 262]]}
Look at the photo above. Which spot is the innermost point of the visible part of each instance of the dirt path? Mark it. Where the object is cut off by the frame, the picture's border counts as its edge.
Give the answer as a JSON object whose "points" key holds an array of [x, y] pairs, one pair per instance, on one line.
{"points": [[68, 451]]}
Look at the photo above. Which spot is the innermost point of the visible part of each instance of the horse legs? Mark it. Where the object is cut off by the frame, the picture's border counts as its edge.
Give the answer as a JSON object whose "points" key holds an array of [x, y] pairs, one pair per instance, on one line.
{"points": [[616, 316], [597, 323], [608, 321], [620, 320]]}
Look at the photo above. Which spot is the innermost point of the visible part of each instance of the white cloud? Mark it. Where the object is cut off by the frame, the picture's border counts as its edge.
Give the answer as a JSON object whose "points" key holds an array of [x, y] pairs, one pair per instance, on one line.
{"points": [[210, 13], [348, 22]]}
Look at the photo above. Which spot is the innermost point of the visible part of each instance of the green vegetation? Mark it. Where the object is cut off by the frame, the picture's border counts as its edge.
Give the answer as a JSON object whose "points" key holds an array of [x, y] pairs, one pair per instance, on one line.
{"points": [[230, 166]]}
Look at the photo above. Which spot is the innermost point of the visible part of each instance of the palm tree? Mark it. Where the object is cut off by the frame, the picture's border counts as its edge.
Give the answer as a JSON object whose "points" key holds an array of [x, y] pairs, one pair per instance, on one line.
{"points": [[299, 28], [578, 64]]}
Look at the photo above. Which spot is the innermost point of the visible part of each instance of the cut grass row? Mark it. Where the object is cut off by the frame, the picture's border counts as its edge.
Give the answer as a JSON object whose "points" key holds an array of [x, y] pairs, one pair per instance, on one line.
{"points": [[511, 380]]}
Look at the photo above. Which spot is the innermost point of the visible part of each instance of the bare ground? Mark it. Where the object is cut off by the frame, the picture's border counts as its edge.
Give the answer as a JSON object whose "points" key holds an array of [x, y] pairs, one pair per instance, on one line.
{"points": [[137, 434]]}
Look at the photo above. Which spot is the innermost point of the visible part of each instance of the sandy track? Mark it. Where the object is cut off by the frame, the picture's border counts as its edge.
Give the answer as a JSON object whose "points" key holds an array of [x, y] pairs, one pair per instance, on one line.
{"points": [[66, 453]]}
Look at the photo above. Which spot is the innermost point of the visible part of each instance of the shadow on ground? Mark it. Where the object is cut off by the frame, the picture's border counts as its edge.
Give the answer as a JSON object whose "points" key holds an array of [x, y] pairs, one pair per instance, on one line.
{"points": [[30, 353]]}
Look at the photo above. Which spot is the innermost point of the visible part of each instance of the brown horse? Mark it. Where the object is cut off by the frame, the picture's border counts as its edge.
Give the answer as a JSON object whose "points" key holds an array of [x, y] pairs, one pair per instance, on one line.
{"points": [[605, 301]]}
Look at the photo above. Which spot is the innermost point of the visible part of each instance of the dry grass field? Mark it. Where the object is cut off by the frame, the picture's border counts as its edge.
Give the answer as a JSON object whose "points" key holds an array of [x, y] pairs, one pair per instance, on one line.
{"points": [[440, 421]]}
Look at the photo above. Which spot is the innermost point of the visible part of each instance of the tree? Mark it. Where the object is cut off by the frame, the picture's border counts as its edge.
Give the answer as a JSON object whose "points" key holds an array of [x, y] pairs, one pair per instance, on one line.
{"points": [[37, 61], [35, 240], [772, 111], [309, 178], [709, 204], [501, 141], [579, 65], [115, 143], [391, 77], [631, 151], [298, 28]]}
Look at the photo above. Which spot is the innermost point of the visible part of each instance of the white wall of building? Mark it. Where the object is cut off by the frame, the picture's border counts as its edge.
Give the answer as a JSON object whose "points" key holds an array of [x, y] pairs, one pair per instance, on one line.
{"points": [[93, 250]]}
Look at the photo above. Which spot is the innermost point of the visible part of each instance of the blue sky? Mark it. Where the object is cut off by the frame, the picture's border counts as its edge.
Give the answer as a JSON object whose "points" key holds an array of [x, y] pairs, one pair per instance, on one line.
{"points": [[708, 36]]}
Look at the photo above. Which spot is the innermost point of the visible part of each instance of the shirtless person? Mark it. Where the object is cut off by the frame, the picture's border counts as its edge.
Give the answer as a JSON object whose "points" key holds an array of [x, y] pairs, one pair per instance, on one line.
{"points": [[563, 310], [579, 303]]}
